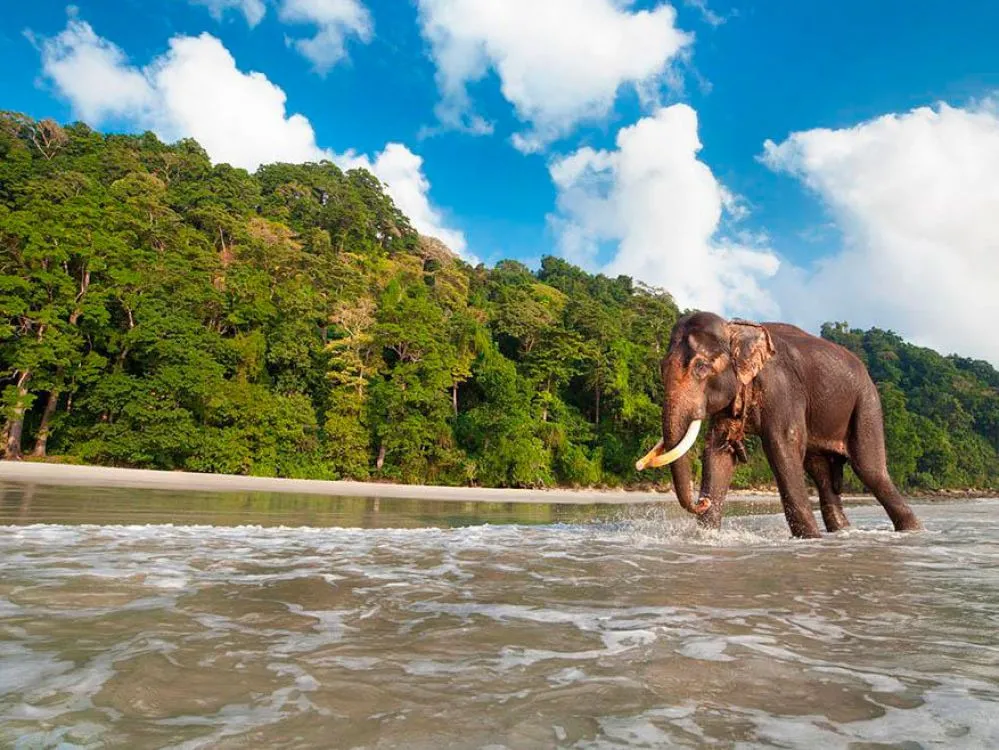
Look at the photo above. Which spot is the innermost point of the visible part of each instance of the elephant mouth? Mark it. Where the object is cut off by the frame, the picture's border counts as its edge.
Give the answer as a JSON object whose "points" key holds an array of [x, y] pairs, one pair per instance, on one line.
{"points": [[658, 456]]}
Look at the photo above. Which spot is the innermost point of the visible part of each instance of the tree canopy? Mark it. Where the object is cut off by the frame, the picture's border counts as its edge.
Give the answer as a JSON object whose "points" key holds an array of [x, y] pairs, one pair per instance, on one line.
{"points": [[158, 311]]}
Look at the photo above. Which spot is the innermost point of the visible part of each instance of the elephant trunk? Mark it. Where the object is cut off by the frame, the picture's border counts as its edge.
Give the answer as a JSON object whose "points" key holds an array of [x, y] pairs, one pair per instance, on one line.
{"points": [[680, 430], [682, 481], [678, 460]]}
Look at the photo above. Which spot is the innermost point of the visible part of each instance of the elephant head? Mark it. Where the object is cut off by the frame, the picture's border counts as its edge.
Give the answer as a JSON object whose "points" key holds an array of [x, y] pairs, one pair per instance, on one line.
{"points": [[709, 364]]}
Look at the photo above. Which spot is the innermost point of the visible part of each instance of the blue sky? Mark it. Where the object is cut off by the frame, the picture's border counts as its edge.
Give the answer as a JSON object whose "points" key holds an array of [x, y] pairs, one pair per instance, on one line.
{"points": [[848, 92]]}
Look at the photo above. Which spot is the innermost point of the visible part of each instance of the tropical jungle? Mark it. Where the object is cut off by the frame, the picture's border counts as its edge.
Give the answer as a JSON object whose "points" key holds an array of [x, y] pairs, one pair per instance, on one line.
{"points": [[159, 311]]}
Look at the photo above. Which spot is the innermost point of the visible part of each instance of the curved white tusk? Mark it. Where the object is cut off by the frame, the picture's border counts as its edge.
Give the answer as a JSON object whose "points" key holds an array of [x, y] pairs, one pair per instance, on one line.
{"points": [[641, 463], [681, 448], [655, 459]]}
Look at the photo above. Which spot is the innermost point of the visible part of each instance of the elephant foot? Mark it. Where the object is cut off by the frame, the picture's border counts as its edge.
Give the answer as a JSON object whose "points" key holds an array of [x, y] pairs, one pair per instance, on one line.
{"points": [[904, 519], [709, 521], [806, 534], [835, 520], [802, 525]]}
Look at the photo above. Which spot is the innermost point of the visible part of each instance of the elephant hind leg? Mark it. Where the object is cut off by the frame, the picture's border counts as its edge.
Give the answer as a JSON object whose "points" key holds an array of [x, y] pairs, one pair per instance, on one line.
{"points": [[827, 473], [836, 464], [869, 462]]}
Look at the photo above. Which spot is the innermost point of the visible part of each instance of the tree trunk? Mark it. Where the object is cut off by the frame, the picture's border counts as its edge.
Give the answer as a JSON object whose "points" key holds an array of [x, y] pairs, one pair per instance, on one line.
{"points": [[598, 407], [380, 461], [548, 391], [84, 286], [12, 451], [124, 352], [45, 428], [454, 398]]}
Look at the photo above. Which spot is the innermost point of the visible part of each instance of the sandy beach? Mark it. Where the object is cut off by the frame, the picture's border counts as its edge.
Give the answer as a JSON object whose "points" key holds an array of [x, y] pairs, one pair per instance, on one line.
{"points": [[104, 476], [101, 476]]}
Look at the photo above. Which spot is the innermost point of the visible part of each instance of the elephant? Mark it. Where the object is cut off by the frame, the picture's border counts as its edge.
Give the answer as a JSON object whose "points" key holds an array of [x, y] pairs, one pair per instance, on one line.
{"points": [[811, 402]]}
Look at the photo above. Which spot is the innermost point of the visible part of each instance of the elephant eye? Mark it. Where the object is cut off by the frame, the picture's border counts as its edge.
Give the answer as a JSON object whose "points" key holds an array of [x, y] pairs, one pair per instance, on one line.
{"points": [[702, 369]]}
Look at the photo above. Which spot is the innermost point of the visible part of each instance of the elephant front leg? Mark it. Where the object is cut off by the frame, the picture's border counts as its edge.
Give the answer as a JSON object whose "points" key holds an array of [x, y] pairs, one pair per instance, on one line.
{"points": [[786, 452], [718, 463]]}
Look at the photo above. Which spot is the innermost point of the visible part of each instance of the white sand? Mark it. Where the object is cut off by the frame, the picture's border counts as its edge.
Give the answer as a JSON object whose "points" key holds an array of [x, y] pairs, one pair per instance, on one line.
{"points": [[100, 476]]}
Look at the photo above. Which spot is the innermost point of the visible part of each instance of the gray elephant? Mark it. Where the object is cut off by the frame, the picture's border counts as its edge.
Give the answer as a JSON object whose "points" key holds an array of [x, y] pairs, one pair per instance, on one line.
{"points": [[812, 402]]}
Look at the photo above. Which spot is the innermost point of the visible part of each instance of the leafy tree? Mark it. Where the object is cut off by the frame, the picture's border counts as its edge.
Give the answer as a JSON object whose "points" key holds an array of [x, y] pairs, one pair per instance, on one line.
{"points": [[157, 310], [940, 412], [499, 431], [902, 440]]}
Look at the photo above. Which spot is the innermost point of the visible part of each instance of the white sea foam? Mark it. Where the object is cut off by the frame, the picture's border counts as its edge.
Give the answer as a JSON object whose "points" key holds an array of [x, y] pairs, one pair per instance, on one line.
{"points": [[637, 631]]}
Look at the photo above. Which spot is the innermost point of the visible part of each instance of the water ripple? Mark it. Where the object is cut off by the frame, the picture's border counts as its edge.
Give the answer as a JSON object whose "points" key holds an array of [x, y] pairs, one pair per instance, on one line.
{"points": [[633, 631]]}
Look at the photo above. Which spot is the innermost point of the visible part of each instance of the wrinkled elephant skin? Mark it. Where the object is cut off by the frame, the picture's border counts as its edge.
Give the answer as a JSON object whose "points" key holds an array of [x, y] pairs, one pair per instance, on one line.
{"points": [[812, 402]]}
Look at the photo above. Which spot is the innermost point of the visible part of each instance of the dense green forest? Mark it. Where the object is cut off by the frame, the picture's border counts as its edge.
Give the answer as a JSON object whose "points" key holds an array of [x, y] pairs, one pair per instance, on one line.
{"points": [[157, 311]]}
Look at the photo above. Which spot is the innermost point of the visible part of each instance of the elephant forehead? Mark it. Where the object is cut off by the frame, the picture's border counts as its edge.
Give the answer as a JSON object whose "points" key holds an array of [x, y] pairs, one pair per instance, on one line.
{"points": [[707, 325], [705, 320], [676, 375], [706, 335]]}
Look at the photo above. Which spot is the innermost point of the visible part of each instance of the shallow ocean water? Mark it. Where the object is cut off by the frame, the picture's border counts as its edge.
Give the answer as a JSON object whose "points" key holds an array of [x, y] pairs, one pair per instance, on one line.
{"points": [[244, 624]]}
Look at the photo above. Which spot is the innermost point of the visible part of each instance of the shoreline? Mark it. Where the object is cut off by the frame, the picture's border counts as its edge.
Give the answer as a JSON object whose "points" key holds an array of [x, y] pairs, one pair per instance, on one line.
{"points": [[103, 476], [36, 472]]}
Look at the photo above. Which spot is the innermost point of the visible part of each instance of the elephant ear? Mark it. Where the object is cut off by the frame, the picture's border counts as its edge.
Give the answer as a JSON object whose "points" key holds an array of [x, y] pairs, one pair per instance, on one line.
{"points": [[751, 349]]}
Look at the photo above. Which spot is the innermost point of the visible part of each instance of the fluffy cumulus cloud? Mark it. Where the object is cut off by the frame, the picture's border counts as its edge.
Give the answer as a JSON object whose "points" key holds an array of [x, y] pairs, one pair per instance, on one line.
{"points": [[334, 20], [559, 62], [916, 196], [196, 90], [662, 212], [193, 90], [252, 10], [94, 74]]}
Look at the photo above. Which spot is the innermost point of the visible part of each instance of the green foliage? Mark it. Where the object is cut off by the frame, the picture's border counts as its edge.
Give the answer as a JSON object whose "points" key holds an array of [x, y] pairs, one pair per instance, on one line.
{"points": [[940, 413], [158, 311], [901, 434], [499, 432]]}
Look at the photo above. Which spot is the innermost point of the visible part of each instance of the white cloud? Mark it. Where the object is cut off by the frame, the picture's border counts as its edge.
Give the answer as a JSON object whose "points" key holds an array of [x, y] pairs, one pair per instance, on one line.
{"points": [[559, 62], [238, 117], [916, 196], [335, 21], [196, 90], [709, 16], [96, 71], [662, 210], [252, 10]]}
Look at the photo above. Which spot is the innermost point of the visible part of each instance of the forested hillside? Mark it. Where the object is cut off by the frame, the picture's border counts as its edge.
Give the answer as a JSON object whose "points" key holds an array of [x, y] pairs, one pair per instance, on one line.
{"points": [[161, 312]]}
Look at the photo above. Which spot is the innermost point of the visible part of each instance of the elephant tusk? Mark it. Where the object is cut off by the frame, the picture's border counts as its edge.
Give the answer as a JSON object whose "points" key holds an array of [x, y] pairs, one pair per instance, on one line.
{"points": [[681, 448], [656, 458], [644, 461]]}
